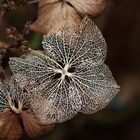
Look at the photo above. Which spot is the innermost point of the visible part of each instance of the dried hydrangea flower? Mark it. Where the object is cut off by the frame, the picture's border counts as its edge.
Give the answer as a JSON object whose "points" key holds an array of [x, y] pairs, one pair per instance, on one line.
{"points": [[71, 77], [15, 113], [19, 40], [53, 12]]}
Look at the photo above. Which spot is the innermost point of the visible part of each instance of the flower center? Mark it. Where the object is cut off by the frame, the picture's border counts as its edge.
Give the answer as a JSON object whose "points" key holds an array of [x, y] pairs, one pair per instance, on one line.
{"points": [[64, 73], [65, 70], [16, 106]]}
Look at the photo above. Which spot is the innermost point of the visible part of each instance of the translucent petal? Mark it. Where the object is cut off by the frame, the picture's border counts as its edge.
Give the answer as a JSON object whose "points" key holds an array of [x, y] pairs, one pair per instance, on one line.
{"points": [[97, 87], [37, 70], [70, 76], [62, 102], [11, 95], [71, 46], [17, 94], [3, 99]]}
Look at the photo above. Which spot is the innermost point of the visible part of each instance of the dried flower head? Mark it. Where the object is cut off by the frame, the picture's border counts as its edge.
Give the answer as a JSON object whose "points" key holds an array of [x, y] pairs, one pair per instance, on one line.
{"points": [[19, 40], [6, 5], [13, 34], [10, 101], [15, 113], [71, 76], [53, 12]]}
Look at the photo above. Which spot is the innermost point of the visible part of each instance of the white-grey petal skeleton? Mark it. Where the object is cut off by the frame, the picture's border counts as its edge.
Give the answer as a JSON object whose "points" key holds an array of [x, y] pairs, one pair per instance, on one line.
{"points": [[70, 76], [12, 97]]}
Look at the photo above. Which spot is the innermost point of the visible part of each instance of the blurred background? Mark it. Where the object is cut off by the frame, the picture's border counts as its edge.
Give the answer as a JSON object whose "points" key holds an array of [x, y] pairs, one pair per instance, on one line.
{"points": [[120, 120]]}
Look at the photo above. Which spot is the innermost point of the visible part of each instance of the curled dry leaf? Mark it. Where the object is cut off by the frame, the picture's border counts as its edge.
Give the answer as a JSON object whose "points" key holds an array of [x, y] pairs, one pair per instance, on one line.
{"points": [[53, 12], [16, 114], [71, 76]]}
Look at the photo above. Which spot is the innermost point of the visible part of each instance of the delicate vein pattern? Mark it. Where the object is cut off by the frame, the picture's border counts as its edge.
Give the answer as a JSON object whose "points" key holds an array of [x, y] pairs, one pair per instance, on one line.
{"points": [[71, 76], [12, 96], [72, 46], [57, 107], [4, 106]]}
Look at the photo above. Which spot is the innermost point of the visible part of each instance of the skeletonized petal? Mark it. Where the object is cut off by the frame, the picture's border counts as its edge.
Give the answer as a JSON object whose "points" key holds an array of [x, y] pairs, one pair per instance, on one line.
{"points": [[97, 87], [59, 103], [73, 46], [37, 70], [4, 106], [70, 77]]}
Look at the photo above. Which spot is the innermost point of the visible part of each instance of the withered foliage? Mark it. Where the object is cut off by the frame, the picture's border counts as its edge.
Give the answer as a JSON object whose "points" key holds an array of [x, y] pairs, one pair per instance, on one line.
{"points": [[53, 12], [16, 114]]}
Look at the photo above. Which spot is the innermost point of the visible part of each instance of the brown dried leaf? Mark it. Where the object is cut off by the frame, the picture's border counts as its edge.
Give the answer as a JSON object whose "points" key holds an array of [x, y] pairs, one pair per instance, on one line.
{"points": [[10, 128], [51, 15], [90, 7], [15, 113], [32, 125], [54, 12]]}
